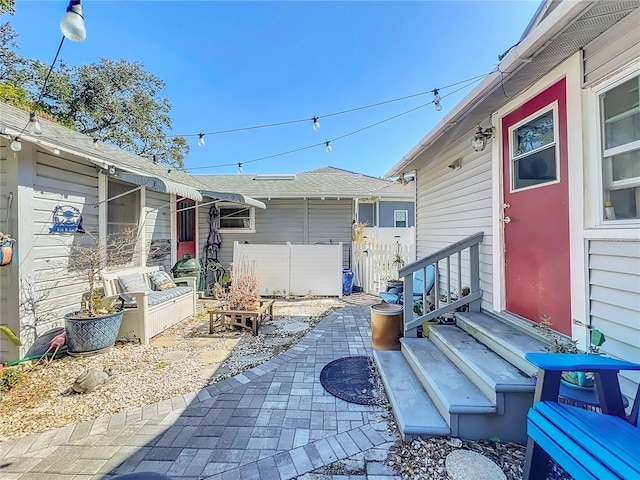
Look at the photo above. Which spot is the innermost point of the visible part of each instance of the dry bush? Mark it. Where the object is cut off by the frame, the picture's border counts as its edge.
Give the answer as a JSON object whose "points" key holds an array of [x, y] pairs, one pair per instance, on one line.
{"points": [[242, 294]]}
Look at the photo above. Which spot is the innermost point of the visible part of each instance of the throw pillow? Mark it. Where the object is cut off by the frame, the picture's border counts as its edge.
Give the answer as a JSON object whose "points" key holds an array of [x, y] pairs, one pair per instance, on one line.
{"points": [[161, 280], [134, 283]]}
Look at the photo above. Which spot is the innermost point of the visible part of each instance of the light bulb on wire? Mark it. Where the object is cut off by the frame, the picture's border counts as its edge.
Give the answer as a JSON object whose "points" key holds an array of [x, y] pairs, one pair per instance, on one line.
{"points": [[316, 124], [240, 168], [72, 24], [436, 99], [34, 124], [327, 147], [201, 139], [16, 145]]}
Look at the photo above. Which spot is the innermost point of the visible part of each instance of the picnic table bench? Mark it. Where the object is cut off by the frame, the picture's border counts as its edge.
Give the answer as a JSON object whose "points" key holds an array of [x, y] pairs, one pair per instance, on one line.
{"points": [[587, 444]]}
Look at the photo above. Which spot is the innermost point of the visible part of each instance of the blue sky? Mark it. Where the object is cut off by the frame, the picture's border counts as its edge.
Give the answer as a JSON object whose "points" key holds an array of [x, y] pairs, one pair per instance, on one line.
{"points": [[230, 65]]}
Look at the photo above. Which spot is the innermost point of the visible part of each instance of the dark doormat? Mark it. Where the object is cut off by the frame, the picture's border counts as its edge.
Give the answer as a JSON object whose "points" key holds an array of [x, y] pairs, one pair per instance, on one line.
{"points": [[353, 379]]}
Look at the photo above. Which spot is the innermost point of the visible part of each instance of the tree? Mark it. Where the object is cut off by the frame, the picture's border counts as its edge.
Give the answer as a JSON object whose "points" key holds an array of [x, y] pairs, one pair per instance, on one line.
{"points": [[117, 102], [7, 6]]}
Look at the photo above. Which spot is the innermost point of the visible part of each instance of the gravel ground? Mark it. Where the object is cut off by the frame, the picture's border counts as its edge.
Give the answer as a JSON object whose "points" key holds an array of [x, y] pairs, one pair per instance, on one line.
{"points": [[184, 358]]}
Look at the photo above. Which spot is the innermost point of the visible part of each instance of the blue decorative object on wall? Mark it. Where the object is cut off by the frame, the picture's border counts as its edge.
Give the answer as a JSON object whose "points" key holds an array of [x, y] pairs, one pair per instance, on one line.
{"points": [[66, 219]]}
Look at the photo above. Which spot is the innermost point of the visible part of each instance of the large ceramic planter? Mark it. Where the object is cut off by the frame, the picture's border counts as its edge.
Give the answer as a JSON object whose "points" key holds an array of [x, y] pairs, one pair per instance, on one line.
{"points": [[91, 334]]}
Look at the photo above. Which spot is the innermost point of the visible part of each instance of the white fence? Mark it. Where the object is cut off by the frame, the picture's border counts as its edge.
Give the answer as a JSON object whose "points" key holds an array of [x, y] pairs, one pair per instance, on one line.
{"points": [[390, 235], [293, 269], [374, 264]]}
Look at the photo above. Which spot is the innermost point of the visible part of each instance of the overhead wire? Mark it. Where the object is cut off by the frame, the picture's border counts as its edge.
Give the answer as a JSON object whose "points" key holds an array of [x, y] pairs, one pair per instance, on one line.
{"points": [[467, 83]]}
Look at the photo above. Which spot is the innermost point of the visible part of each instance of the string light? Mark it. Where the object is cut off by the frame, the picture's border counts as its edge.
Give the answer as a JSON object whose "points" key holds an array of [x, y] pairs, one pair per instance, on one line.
{"points": [[201, 139], [315, 119], [16, 145], [240, 168], [436, 99], [327, 146], [466, 84], [34, 124], [72, 23]]}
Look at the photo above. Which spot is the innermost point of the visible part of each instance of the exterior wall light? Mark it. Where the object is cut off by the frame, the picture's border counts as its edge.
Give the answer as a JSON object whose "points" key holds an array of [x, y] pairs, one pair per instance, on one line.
{"points": [[479, 140]]}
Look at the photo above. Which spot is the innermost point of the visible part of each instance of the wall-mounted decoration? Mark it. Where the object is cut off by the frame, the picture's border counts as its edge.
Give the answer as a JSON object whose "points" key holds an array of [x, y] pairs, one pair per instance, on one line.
{"points": [[66, 219], [6, 249]]}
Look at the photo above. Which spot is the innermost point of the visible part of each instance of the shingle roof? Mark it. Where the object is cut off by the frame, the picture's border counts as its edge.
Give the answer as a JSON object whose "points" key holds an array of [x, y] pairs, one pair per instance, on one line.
{"points": [[58, 136], [322, 182]]}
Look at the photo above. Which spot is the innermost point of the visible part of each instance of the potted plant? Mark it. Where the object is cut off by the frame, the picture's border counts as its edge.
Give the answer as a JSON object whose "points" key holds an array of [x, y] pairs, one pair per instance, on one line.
{"points": [[6, 249], [95, 327]]}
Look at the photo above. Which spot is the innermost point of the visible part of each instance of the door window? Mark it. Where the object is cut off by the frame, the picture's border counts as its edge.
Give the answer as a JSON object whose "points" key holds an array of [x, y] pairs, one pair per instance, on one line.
{"points": [[533, 152]]}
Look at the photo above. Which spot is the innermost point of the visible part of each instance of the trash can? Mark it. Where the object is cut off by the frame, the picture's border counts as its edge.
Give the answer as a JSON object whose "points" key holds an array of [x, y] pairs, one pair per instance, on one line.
{"points": [[386, 326], [187, 267], [347, 281]]}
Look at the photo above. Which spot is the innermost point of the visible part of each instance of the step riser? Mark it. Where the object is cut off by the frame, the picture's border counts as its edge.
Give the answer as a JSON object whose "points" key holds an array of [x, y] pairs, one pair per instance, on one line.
{"points": [[474, 426], [472, 374], [515, 357], [414, 411]]}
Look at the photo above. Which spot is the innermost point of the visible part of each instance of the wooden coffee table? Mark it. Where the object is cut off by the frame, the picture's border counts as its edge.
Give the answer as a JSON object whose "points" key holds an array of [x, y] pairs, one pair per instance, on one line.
{"points": [[247, 319]]}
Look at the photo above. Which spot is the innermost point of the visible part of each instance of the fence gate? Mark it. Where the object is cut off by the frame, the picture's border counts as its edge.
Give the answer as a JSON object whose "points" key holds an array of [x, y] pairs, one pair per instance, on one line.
{"points": [[374, 264]]}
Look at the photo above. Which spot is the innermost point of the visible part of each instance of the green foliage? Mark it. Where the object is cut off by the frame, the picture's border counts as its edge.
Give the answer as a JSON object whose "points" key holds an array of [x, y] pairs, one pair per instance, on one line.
{"points": [[115, 101], [10, 377], [7, 6], [497, 444]]}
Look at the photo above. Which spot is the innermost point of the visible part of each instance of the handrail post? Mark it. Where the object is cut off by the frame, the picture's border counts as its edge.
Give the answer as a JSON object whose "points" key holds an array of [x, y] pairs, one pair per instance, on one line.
{"points": [[407, 294], [474, 272]]}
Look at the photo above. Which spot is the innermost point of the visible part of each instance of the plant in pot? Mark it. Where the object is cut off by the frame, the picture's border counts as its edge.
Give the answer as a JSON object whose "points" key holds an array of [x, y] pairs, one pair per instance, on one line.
{"points": [[95, 327], [6, 249]]}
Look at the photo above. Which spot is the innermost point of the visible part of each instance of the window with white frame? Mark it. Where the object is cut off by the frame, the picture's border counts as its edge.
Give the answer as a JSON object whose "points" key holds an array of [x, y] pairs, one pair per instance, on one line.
{"points": [[533, 151], [237, 218], [400, 218], [123, 216], [620, 130]]}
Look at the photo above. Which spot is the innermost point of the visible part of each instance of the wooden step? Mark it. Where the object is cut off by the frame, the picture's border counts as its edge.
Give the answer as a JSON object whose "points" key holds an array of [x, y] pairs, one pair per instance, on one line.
{"points": [[492, 374], [509, 342], [414, 411]]}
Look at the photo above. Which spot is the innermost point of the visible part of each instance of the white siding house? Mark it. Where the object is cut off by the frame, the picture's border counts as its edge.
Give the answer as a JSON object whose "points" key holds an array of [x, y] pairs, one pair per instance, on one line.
{"points": [[576, 75]]}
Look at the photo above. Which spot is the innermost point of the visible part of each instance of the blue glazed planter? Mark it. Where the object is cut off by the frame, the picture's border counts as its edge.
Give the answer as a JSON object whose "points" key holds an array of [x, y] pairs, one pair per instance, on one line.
{"points": [[85, 335], [347, 281]]}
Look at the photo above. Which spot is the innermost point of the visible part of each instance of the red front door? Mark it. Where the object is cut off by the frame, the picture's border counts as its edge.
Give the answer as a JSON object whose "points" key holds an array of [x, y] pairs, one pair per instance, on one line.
{"points": [[536, 209], [186, 227]]}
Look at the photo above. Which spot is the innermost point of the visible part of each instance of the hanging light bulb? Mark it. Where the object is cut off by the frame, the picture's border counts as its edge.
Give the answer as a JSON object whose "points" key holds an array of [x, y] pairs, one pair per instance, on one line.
{"points": [[240, 168], [316, 124], [34, 124], [16, 145], [436, 99], [72, 24], [201, 139], [327, 147]]}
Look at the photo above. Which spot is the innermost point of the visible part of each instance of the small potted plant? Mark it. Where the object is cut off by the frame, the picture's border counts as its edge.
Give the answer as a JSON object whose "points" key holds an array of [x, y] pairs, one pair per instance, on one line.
{"points": [[95, 327], [6, 249]]}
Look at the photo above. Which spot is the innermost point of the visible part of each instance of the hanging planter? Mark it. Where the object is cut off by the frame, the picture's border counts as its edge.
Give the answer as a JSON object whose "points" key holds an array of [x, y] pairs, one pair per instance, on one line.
{"points": [[6, 249]]}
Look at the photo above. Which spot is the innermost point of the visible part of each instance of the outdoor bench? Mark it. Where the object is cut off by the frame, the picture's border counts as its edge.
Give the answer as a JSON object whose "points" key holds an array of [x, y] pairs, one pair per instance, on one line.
{"points": [[152, 312], [587, 444]]}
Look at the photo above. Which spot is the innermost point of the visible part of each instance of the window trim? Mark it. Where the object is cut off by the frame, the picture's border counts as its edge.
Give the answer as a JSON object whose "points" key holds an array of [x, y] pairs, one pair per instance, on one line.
{"points": [[252, 218], [406, 218], [601, 154], [551, 107]]}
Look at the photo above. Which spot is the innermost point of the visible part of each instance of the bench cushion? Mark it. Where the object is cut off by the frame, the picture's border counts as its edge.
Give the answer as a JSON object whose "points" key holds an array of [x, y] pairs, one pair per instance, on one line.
{"points": [[587, 444], [156, 298]]}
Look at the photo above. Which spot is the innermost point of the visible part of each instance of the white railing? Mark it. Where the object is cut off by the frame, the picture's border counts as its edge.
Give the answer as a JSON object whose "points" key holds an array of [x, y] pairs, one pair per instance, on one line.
{"points": [[374, 264], [284, 270]]}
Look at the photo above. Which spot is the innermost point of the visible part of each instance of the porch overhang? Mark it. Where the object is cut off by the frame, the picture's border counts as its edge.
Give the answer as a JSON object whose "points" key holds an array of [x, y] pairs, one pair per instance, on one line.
{"points": [[158, 184], [234, 197]]}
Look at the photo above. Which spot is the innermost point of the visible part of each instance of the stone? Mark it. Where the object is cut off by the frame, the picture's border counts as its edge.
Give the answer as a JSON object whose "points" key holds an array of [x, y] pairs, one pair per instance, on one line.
{"points": [[91, 379], [468, 465], [212, 356], [166, 341]]}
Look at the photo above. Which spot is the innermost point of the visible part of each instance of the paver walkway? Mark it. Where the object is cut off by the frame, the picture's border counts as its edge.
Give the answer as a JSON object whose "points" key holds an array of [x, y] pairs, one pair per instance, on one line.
{"points": [[272, 422]]}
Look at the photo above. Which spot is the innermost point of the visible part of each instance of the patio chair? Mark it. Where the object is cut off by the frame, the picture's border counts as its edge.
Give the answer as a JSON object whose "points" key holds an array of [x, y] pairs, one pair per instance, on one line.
{"points": [[389, 297]]}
